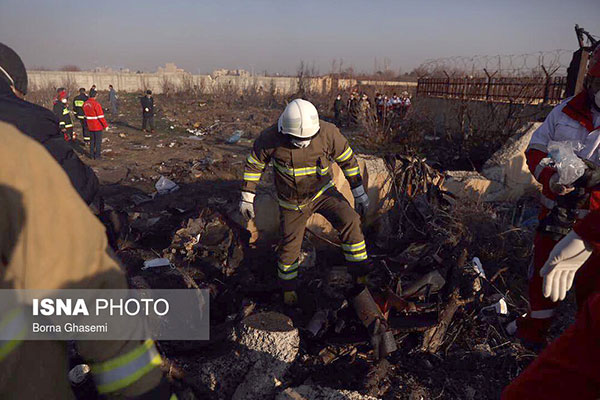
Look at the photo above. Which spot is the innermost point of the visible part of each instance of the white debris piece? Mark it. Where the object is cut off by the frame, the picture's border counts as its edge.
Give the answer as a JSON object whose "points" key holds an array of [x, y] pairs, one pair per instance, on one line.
{"points": [[478, 267], [155, 263], [165, 185]]}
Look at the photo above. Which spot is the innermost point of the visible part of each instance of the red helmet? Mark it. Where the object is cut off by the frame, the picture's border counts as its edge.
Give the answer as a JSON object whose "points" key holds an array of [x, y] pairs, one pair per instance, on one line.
{"points": [[594, 65]]}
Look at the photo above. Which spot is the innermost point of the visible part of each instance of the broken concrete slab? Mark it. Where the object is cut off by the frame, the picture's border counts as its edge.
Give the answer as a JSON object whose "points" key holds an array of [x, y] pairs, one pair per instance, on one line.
{"points": [[313, 392], [265, 345], [504, 177]]}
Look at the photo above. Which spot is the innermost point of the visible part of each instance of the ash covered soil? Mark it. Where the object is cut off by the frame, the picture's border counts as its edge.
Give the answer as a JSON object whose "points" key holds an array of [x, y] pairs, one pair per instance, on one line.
{"points": [[196, 227]]}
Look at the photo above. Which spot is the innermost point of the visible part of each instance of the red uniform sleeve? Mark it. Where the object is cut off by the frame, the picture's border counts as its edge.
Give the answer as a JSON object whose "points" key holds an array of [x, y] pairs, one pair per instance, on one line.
{"points": [[100, 114], [589, 229], [542, 174]]}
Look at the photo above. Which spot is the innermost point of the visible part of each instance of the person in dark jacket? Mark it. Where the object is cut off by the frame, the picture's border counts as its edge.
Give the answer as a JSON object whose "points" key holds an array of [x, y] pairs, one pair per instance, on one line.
{"points": [[147, 111], [40, 123], [65, 123], [113, 99], [337, 110], [78, 109]]}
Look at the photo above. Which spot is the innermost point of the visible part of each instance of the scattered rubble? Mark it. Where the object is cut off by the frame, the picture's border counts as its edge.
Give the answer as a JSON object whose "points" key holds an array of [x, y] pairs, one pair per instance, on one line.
{"points": [[263, 346]]}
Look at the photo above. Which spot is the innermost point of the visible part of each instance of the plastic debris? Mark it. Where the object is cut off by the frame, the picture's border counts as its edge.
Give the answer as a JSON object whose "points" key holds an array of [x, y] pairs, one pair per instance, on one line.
{"points": [[569, 166], [317, 323], [478, 267], [500, 307], [155, 263], [197, 132], [237, 135], [165, 185]]}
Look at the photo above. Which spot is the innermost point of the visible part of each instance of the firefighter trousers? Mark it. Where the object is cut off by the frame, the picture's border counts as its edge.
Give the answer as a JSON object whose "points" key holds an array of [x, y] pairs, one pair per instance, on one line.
{"points": [[534, 326], [336, 209], [84, 129]]}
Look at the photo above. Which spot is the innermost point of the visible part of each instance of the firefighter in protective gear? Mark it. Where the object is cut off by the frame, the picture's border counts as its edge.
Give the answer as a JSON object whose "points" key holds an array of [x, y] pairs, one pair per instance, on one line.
{"points": [[568, 367], [577, 119], [302, 148], [65, 123], [78, 102], [37, 206]]}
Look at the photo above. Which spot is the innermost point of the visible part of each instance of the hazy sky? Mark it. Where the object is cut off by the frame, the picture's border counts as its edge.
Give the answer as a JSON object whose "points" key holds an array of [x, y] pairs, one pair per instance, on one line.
{"points": [[275, 35]]}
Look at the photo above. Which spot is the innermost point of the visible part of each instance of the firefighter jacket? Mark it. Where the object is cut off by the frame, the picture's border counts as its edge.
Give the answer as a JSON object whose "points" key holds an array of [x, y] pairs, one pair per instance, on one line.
{"points": [[574, 120], [94, 115], [64, 117], [147, 105], [78, 102], [49, 239], [40, 124], [301, 175]]}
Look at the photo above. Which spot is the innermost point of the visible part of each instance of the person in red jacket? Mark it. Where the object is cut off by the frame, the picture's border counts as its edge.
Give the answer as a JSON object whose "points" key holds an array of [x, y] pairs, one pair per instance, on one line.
{"points": [[94, 115], [575, 120], [568, 367]]}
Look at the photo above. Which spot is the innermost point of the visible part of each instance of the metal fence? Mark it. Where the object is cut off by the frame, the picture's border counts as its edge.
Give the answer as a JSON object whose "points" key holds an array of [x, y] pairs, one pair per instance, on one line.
{"points": [[525, 90]]}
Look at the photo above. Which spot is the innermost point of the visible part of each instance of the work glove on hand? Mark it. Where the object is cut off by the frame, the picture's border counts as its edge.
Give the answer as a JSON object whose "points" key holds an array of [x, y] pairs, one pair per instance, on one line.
{"points": [[559, 188], [361, 200], [591, 176], [247, 205], [290, 297], [559, 270]]}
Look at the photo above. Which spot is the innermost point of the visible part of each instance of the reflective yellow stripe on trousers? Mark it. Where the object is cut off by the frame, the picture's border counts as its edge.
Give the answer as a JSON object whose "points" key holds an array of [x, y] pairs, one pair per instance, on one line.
{"points": [[290, 206], [13, 329], [122, 371]]}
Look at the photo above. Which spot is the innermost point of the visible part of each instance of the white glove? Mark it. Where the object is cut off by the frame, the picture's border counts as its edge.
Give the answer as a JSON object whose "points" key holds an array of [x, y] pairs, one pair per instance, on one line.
{"points": [[559, 270], [361, 200], [146, 109], [247, 205]]}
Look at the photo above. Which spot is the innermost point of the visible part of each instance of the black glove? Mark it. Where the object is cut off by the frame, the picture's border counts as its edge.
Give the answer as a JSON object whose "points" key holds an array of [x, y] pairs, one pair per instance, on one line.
{"points": [[591, 176]]}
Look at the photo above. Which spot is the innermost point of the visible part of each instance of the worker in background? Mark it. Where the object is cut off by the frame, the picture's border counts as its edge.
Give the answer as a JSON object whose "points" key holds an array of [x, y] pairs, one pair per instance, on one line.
{"points": [[94, 115], [379, 106], [395, 103], [364, 108], [78, 102], [352, 108], [337, 109], [147, 111], [302, 149], [574, 120], [113, 99], [58, 91], [568, 367], [50, 240], [40, 123], [93, 88], [405, 105], [65, 123]]}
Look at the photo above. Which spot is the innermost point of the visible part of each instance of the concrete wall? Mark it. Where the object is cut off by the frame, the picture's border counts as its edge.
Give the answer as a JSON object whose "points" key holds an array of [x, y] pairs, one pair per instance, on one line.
{"points": [[158, 82], [466, 116]]}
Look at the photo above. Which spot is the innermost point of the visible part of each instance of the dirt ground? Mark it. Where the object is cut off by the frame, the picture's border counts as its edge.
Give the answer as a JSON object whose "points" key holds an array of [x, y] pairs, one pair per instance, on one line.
{"points": [[476, 359]]}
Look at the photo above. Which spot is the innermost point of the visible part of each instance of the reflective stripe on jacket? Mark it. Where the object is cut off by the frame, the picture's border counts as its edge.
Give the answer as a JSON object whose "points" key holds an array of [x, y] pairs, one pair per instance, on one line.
{"points": [[574, 121], [94, 115], [78, 103], [301, 175]]}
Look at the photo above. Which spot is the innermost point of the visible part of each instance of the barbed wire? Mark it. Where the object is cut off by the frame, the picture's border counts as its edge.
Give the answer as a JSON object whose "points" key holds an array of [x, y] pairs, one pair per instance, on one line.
{"points": [[555, 63]]}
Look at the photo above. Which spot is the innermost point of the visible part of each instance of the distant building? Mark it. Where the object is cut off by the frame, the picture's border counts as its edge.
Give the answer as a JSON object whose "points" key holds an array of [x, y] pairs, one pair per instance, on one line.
{"points": [[170, 68], [229, 72], [103, 69]]}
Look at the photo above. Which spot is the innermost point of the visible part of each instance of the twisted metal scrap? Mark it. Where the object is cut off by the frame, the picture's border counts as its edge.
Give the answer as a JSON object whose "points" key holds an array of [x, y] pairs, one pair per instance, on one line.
{"points": [[413, 178]]}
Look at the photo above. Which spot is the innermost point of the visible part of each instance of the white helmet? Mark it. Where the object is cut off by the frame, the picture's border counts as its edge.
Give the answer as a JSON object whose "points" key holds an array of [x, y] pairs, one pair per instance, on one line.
{"points": [[300, 119]]}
